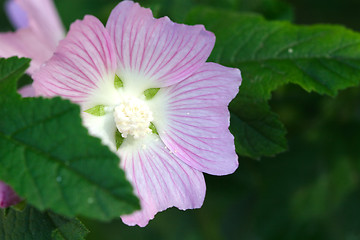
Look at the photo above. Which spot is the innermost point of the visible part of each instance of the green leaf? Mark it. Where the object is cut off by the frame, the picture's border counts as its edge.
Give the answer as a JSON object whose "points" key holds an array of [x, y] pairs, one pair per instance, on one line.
{"points": [[257, 129], [118, 83], [271, 9], [178, 9], [32, 224], [319, 58], [20, 206], [98, 110], [67, 228], [10, 69], [150, 93], [47, 156]]}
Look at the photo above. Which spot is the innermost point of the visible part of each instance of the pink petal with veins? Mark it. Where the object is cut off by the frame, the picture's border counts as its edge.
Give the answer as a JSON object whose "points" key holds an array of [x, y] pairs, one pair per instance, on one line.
{"points": [[83, 62], [24, 43], [158, 50], [161, 180], [39, 33], [44, 20], [196, 119]]}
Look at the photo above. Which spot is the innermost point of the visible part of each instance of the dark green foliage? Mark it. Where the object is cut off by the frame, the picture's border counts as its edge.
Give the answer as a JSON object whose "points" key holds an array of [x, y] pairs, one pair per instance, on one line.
{"points": [[258, 131], [177, 10], [31, 224], [320, 58]]}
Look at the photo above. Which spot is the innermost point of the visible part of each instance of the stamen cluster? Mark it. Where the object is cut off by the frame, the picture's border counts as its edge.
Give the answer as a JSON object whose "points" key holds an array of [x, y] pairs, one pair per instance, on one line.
{"points": [[132, 117]]}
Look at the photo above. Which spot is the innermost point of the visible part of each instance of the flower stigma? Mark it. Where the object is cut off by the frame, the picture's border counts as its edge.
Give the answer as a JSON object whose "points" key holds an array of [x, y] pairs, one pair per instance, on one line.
{"points": [[133, 117]]}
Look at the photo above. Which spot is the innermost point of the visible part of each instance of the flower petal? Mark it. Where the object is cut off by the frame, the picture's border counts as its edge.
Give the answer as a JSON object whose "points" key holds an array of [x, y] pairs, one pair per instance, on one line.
{"points": [[43, 19], [7, 196], [195, 119], [25, 43], [27, 91], [156, 52], [83, 66], [16, 14], [39, 33], [160, 179]]}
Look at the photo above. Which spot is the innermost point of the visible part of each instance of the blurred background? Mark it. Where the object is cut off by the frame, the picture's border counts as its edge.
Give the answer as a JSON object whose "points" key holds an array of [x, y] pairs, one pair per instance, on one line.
{"points": [[311, 191]]}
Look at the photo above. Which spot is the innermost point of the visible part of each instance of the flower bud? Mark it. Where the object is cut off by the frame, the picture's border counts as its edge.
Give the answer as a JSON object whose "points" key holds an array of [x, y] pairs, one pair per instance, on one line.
{"points": [[7, 196]]}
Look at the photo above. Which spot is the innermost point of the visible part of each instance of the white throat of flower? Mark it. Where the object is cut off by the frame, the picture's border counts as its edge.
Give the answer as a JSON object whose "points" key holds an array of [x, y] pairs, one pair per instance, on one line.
{"points": [[133, 117], [125, 117]]}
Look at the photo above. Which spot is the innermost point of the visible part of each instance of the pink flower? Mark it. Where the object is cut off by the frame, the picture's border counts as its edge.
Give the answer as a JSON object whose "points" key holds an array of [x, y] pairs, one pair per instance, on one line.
{"points": [[39, 30], [147, 92], [7, 196]]}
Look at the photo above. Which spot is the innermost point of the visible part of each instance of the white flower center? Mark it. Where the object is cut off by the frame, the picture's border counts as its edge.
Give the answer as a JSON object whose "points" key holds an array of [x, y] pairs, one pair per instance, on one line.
{"points": [[132, 117]]}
